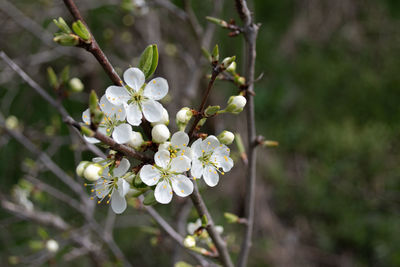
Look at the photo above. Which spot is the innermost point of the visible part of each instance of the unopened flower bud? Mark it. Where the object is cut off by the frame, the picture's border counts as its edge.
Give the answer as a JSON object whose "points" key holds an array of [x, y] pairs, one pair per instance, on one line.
{"points": [[226, 137], [52, 246], [93, 172], [236, 104], [81, 168], [239, 80], [212, 110], [76, 85], [189, 241], [11, 122], [227, 62], [164, 118], [66, 39], [184, 115], [231, 68], [136, 140], [160, 133]]}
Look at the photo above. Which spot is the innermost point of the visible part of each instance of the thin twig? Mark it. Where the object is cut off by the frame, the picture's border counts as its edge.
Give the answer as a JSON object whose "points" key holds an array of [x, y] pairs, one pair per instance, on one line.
{"points": [[93, 47], [250, 32], [219, 243]]}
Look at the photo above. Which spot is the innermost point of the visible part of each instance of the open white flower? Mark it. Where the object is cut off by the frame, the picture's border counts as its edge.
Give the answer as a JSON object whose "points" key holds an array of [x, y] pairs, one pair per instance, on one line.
{"points": [[209, 156], [112, 124], [178, 145], [137, 98], [193, 226], [167, 175], [113, 185]]}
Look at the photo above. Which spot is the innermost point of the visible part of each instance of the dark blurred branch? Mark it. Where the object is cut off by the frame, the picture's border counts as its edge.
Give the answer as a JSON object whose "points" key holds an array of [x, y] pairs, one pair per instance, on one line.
{"points": [[93, 46], [250, 31], [46, 97]]}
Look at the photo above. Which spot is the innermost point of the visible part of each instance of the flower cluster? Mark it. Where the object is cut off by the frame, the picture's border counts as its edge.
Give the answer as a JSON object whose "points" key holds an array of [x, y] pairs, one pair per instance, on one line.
{"points": [[178, 161]]}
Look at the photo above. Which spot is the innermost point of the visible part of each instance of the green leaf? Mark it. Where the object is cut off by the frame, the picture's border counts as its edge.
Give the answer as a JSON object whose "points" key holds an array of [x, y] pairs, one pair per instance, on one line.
{"points": [[215, 53], [149, 60], [149, 199], [81, 30], [204, 221], [52, 77], [65, 74], [62, 25]]}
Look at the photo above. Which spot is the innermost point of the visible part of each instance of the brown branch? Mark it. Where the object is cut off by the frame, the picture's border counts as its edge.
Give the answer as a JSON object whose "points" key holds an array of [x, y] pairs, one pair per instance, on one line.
{"points": [[250, 33], [93, 46], [219, 243]]}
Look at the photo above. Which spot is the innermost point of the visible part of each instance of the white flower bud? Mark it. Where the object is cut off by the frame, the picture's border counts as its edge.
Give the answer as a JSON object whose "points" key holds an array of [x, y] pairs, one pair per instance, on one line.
{"points": [[52, 245], [189, 241], [93, 172], [184, 115], [81, 167], [160, 133], [236, 104], [76, 85], [226, 137], [231, 68], [11, 122], [136, 140], [227, 61], [164, 119]]}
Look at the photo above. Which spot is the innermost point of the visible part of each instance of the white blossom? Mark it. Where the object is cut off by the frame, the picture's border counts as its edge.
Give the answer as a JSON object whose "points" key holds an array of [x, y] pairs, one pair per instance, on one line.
{"points": [[160, 133], [139, 98], [113, 185], [167, 175], [112, 124], [136, 140], [164, 118], [209, 156], [178, 145]]}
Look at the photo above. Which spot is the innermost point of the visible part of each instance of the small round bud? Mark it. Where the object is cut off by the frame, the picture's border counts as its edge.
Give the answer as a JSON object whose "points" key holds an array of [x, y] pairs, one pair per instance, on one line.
{"points": [[81, 167], [76, 85], [184, 115], [236, 104], [11, 122], [93, 172], [136, 140], [164, 119], [160, 133], [189, 241], [227, 62], [52, 246], [226, 137]]}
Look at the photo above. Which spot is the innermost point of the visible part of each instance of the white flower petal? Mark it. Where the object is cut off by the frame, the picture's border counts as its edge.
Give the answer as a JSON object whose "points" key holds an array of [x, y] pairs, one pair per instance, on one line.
{"points": [[123, 187], [163, 192], [152, 110], [134, 77], [162, 158], [112, 111], [133, 114], [86, 117], [180, 139], [98, 159], [193, 226], [122, 133], [180, 164], [222, 150], [210, 143], [211, 176], [182, 185], [197, 169], [196, 148], [149, 175], [91, 140], [122, 168], [118, 203], [225, 162], [117, 95], [156, 89]]}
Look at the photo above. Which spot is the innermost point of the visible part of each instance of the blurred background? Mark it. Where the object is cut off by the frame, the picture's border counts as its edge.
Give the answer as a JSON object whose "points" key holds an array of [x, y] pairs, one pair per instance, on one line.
{"points": [[328, 195]]}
